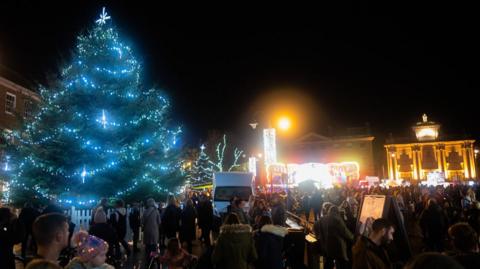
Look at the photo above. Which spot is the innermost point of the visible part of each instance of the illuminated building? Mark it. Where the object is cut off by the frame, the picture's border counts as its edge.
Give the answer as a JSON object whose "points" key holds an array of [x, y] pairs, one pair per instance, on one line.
{"points": [[346, 157], [430, 154]]}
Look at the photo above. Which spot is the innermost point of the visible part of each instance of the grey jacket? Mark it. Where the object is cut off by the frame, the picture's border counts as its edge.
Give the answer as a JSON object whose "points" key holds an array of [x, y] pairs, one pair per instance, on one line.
{"points": [[151, 226]]}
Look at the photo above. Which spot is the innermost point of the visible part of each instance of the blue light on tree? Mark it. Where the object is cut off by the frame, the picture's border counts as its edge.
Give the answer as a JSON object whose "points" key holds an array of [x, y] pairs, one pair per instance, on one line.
{"points": [[84, 174], [98, 131]]}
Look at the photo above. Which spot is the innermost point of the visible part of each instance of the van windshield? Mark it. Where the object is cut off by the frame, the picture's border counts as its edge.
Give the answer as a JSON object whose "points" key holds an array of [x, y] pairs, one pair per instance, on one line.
{"points": [[225, 193]]}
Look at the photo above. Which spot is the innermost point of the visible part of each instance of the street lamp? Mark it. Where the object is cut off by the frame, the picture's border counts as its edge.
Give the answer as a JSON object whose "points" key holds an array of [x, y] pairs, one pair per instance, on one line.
{"points": [[284, 123]]}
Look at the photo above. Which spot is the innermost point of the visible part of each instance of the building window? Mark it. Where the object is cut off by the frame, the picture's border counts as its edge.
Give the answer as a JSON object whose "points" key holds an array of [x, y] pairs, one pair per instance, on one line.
{"points": [[27, 109], [10, 103]]}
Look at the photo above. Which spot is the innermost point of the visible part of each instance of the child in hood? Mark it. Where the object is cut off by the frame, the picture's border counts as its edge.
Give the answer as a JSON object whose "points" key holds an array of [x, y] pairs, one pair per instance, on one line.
{"points": [[91, 252]]}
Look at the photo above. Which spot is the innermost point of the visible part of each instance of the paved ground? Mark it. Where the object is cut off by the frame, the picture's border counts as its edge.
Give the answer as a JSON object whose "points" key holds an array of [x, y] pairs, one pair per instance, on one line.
{"points": [[137, 260]]}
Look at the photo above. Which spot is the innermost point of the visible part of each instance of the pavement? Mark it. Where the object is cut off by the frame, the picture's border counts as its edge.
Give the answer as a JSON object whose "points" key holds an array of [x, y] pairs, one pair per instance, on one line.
{"points": [[137, 260]]}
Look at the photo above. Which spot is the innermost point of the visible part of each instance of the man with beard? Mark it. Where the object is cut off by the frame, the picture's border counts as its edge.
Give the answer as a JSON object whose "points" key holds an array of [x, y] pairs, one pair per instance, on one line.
{"points": [[368, 252]]}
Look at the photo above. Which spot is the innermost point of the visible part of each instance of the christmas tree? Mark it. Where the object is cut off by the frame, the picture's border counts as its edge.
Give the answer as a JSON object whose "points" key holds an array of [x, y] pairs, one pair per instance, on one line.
{"points": [[98, 131], [202, 172], [204, 166]]}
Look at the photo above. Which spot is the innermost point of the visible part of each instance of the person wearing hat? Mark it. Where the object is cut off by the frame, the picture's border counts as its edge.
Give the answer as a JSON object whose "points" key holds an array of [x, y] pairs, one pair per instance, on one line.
{"points": [[91, 252]]}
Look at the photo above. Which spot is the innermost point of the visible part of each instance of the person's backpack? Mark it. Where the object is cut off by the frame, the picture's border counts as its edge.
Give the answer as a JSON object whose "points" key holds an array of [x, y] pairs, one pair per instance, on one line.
{"points": [[119, 224], [134, 219]]}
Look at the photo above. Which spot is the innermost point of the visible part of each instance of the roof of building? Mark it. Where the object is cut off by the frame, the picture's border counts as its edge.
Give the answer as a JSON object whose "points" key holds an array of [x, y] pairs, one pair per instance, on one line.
{"points": [[313, 137], [18, 88], [19, 79]]}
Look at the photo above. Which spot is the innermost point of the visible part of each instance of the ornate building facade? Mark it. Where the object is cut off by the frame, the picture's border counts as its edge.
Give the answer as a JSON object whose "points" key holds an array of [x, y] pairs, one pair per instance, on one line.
{"points": [[454, 159]]}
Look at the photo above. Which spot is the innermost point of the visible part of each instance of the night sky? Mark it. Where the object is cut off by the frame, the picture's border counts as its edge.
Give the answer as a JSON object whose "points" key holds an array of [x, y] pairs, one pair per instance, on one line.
{"points": [[332, 66]]}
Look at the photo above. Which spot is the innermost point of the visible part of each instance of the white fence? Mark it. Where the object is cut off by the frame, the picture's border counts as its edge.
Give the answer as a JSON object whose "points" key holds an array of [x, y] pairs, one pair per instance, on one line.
{"points": [[82, 217]]}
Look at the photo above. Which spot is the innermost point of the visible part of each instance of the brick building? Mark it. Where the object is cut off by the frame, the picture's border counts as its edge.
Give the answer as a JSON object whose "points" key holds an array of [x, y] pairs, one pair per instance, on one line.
{"points": [[16, 102]]}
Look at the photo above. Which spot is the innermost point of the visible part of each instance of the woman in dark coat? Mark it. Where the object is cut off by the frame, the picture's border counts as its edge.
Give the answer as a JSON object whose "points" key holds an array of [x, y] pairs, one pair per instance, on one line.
{"points": [[171, 218], [338, 237], [205, 219], [11, 233], [434, 226], [187, 228], [269, 244], [27, 217]]}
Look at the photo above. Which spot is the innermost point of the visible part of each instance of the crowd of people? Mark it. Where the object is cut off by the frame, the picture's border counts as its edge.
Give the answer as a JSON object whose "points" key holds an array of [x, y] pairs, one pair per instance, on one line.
{"points": [[434, 219], [442, 226]]}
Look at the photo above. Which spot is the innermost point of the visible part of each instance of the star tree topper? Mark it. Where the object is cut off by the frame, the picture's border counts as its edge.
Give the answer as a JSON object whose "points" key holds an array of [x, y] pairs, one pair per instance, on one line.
{"points": [[103, 17]]}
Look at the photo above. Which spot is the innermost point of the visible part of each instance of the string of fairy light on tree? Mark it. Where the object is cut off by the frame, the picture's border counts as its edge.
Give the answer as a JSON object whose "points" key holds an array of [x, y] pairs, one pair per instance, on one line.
{"points": [[204, 166], [97, 130]]}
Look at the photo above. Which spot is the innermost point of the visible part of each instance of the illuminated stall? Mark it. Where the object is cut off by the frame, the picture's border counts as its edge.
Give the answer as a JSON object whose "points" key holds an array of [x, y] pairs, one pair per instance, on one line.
{"points": [[321, 175]]}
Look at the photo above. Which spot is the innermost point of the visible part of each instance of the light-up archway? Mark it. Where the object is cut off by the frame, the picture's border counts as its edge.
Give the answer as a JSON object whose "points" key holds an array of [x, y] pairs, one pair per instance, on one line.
{"points": [[323, 175]]}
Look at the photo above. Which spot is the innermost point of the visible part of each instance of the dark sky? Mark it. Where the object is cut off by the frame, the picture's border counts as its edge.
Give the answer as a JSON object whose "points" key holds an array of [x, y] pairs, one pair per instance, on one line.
{"points": [[385, 65]]}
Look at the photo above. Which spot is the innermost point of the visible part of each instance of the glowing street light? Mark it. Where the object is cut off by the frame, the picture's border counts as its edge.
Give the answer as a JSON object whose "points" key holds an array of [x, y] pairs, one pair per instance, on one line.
{"points": [[269, 137], [284, 123]]}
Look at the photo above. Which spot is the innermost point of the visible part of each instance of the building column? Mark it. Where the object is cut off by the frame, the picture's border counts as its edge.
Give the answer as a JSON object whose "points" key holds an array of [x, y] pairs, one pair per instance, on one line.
{"points": [[473, 171], [441, 163], [395, 166], [419, 158], [439, 157], [389, 163], [414, 160], [444, 160], [465, 162]]}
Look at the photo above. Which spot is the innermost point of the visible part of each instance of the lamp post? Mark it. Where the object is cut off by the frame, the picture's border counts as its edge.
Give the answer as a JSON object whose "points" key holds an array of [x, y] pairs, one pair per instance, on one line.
{"points": [[255, 151], [269, 141]]}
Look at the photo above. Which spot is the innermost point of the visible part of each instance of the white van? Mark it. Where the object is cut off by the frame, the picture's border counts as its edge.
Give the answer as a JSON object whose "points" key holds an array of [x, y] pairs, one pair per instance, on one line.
{"points": [[229, 184]]}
